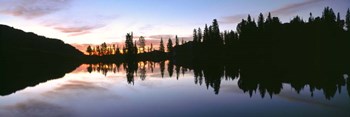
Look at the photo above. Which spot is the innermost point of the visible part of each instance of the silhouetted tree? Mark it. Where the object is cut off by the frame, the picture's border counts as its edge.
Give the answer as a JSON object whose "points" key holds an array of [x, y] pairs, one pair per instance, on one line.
{"points": [[98, 50], [89, 50], [135, 48], [161, 45], [199, 35], [104, 48], [129, 45], [216, 31], [170, 46], [328, 15], [195, 37], [339, 21], [268, 19], [176, 41], [117, 51], [206, 34], [311, 18], [297, 20], [113, 49], [261, 21], [347, 20], [124, 50], [142, 44]]}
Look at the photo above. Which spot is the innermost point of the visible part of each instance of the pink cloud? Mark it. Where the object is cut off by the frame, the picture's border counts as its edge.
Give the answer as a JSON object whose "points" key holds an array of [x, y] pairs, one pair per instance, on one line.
{"points": [[32, 8]]}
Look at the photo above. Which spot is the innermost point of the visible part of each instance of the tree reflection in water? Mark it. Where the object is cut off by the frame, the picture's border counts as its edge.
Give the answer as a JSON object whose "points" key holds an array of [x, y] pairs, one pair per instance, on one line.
{"points": [[263, 79]]}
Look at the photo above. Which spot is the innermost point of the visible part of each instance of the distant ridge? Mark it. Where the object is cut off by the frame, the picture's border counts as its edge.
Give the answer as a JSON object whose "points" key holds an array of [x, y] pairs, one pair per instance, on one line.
{"points": [[17, 45]]}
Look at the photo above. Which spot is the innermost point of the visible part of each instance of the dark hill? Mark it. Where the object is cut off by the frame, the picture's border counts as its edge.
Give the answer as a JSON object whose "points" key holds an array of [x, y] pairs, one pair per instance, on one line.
{"points": [[28, 59], [17, 45]]}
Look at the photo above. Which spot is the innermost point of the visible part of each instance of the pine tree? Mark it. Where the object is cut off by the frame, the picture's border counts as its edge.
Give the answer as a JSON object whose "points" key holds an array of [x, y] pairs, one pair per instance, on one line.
{"points": [[176, 41], [98, 50], [269, 18], [142, 44], [104, 48], [215, 34], [249, 18], [117, 51], [161, 45], [89, 50], [311, 18], [129, 43], [206, 33], [199, 34], [347, 20], [135, 48], [339, 21], [195, 37], [328, 15], [261, 21], [170, 45]]}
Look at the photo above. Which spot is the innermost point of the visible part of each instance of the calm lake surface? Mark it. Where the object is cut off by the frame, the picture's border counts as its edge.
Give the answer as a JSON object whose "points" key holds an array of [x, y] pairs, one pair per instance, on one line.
{"points": [[109, 90]]}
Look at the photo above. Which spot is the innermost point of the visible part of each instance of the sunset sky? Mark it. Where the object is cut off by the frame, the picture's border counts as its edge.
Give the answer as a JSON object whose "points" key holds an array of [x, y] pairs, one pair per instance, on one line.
{"points": [[97, 21]]}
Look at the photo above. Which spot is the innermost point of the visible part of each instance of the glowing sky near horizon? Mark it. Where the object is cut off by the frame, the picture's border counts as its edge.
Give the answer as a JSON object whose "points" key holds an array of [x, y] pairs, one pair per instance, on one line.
{"points": [[97, 21]]}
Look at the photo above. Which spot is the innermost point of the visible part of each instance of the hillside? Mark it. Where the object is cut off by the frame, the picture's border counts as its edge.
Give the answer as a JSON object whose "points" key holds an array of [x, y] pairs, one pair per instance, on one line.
{"points": [[17, 45]]}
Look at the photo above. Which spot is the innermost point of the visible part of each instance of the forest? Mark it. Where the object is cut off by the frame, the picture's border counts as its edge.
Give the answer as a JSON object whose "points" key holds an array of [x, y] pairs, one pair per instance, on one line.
{"points": [[320, 39]]}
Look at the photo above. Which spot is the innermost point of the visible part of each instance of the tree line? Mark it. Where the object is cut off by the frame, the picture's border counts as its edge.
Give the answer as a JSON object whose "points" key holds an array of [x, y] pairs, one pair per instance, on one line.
{"points": [[319, 38], [132, 47]]}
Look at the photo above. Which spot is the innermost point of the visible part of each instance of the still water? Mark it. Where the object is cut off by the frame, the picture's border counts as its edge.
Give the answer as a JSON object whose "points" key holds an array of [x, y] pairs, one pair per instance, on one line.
{"points": [[161, 89]]}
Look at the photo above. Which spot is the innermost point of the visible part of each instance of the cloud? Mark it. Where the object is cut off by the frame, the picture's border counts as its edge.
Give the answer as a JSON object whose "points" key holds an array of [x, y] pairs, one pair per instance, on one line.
{"points": [[77, 30], [146, 27], [78, 25], [74, 88], [164, 36], [167, 36], [74, 26], [79, 85], [292, 8], [285, 10], [73, 29], [32, 8], [232, 19], [35, 108]]}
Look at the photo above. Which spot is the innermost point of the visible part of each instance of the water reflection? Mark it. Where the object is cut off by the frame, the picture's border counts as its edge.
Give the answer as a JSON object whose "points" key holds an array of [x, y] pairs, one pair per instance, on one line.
{"points": [[348, 86], [112, 89], [17, 76], [261, 80]]}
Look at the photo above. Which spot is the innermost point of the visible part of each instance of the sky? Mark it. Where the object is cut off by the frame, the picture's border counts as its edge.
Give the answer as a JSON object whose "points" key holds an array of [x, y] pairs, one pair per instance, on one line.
{"points": [[98, 21]]}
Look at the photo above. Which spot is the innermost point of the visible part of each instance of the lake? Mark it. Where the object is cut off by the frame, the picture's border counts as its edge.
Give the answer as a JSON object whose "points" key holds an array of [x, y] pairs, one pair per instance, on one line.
{"points": [[163, 89]]}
